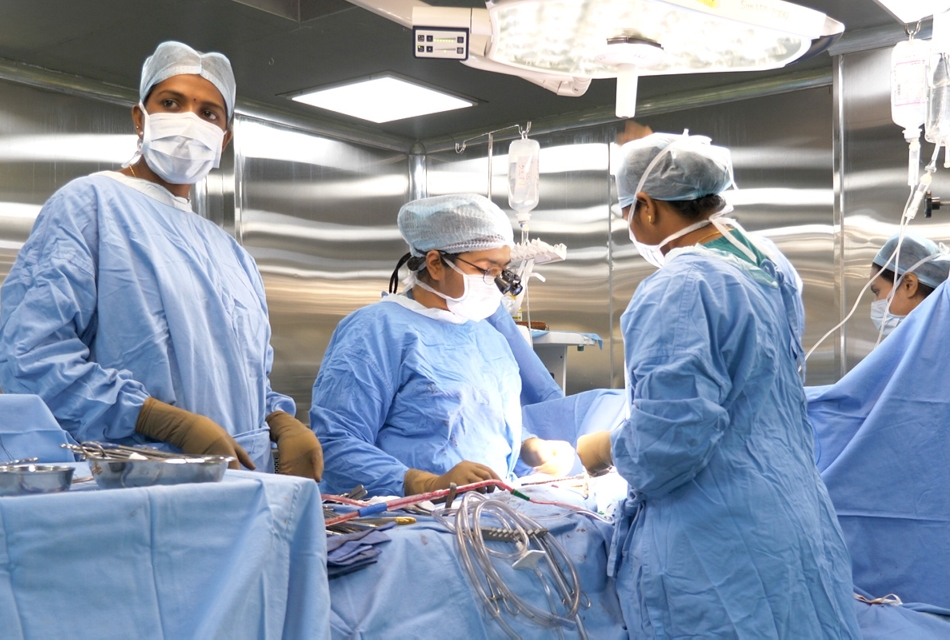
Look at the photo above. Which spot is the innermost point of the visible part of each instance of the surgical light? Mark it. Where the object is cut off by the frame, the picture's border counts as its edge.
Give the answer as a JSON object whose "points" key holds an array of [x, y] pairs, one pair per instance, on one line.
{"points": [[382, 99], [553, 42], [909, 11]]}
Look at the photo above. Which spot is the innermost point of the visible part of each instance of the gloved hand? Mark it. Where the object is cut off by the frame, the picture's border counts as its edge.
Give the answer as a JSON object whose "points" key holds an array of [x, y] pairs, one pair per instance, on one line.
{"points": [[300, 451], [190, 432], [465, 472], [553, 457], [594, 451]]}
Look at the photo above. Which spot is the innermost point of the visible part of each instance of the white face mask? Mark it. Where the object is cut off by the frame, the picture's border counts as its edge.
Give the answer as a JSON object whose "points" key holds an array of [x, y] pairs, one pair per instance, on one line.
{"points": [[479, 300], [882, 318], [180, 148], [653, 253]]}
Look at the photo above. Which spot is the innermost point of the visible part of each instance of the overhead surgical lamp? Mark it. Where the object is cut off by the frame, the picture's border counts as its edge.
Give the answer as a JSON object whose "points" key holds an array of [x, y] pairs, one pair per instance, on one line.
{"points": [[564, 44]]}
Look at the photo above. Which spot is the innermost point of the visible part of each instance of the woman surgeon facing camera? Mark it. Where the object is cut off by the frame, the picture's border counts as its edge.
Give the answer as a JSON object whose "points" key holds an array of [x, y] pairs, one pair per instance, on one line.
{"points": [[727, 530]]}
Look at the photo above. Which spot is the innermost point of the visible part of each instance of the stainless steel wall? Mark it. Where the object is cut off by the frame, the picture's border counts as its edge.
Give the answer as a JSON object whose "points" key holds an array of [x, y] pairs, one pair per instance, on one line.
{"points": [[872, 170], [46, 140], [782, 150], [318, 213], [319, 217]]}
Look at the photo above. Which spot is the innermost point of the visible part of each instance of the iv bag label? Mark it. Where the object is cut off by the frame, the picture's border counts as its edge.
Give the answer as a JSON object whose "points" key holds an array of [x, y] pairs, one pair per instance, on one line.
{"points": [[912, 86], [714, 4]]}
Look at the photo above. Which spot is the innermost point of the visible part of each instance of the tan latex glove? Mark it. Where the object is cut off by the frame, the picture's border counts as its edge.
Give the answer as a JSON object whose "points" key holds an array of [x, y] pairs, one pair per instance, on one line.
{"points": [[299, 450], [190, 432], [594, 451], [464, 472], [553, 457]]}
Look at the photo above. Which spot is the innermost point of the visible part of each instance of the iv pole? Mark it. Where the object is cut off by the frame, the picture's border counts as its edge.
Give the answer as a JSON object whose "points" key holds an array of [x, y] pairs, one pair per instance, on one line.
{"points": [[460, 146]]}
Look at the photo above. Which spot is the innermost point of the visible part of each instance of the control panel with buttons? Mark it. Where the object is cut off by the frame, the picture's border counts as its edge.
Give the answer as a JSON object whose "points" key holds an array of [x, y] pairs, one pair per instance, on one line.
{"points": [[440, 42]]}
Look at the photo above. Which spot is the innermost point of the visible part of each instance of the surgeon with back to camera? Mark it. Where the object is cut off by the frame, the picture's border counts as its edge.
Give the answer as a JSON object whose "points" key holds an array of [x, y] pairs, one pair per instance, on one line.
{"points": [[139, 322], [923, 266], [727, 530], [418, 391]]}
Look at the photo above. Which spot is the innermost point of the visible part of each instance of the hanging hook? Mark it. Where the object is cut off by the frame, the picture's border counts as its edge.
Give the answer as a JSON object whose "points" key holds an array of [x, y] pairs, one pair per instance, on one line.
{"points": [[911, 34], [461, 146]]}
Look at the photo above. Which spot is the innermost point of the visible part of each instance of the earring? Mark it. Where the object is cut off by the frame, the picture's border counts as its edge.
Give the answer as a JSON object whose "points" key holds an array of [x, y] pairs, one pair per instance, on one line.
{"points": [[650, 219]]}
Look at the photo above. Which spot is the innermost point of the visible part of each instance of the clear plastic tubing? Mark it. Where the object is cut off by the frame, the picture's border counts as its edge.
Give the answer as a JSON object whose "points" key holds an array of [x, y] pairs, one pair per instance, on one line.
{"points": [[909, 97], [523, 177]]}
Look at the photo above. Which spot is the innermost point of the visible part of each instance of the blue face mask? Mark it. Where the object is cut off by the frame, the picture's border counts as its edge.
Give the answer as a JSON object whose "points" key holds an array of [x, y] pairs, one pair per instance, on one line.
{"points": [[881, 317]]}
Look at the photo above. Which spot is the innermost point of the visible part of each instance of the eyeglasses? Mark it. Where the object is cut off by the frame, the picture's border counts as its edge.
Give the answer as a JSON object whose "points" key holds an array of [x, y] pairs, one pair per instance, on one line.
{"points": [[507, 281]]}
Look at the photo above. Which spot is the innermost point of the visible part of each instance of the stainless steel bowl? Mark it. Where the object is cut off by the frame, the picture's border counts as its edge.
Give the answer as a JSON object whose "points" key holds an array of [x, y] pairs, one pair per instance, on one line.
{"points": [[117, 474], [27, 479]]}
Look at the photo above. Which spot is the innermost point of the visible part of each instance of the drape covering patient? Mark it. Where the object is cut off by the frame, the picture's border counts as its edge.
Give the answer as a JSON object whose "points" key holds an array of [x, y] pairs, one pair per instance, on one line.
{"points": [[418, 391]]}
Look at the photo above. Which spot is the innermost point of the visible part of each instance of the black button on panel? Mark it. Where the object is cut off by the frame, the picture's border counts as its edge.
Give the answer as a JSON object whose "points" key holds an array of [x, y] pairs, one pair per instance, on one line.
{"points": [[428, 38], [460, 40], [428, 49]]}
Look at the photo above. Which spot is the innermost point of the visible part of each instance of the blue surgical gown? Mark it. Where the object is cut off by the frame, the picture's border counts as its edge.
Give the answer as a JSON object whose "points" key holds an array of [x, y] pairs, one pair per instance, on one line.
{"points": [[884, 431], [537, 383], [401, 387], [117, 296], [728, 530]]}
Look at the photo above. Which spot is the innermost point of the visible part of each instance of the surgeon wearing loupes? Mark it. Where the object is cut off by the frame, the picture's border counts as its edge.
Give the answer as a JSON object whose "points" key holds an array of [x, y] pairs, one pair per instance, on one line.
{"points": [[136, 320], [419, 391], [727, 530]]}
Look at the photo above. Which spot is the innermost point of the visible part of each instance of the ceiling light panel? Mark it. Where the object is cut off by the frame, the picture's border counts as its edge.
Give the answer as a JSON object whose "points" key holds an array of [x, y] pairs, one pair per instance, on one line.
{"points": [[382, 99]]}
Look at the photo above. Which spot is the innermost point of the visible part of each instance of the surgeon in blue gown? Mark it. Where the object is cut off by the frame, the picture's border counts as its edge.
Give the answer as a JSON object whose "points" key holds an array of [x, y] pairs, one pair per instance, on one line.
{"points": [[727, 530], [418, 391], [138, 321], [922, 266], [884, 442]]}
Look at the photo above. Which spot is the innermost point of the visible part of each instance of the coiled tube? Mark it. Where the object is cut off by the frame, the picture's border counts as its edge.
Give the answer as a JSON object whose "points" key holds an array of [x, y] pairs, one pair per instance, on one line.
{"points": [[555, 571]]}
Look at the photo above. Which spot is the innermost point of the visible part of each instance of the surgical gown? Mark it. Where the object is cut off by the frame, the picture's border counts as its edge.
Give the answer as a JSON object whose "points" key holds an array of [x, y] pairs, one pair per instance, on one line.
{"points": [[537, 383], [402, 386], [728, 530], [117, 296]]}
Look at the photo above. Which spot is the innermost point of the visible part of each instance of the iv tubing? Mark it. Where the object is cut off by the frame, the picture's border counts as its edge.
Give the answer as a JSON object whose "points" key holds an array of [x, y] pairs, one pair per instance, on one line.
{"points": [[422, 497], [488, 583]]}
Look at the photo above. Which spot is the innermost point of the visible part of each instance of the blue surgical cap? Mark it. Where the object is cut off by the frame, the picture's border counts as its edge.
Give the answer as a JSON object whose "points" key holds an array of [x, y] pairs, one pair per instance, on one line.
{"points": [[914, 249], [455, 224], [691, 169], [176, 59]]}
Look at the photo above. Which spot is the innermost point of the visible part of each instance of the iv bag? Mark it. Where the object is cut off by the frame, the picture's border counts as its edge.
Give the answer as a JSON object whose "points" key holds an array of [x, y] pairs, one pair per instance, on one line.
{"points": [[909, 85], [938, 80], [938, 107], [523, 177]]}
